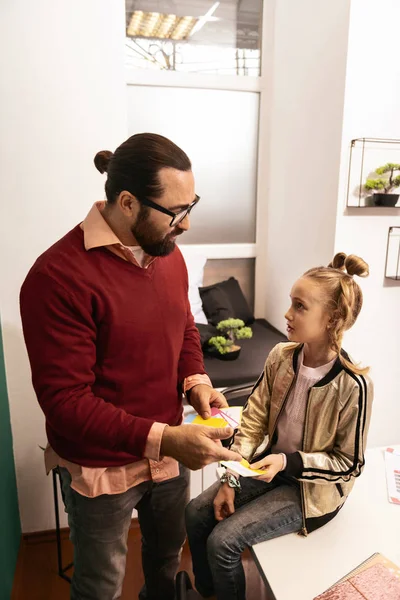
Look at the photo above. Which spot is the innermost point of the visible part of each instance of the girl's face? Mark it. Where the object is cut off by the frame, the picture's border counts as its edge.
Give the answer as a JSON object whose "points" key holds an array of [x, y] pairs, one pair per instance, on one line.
{"points": [[307, 317]]}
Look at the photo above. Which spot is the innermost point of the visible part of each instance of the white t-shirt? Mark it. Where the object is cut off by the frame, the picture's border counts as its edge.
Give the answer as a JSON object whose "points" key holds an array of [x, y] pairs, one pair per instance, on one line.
{"points": [[140, 256]]}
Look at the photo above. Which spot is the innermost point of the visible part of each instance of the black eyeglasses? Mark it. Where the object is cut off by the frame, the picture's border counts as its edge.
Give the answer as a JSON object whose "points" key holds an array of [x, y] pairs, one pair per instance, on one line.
{"points": [[176, 217]]}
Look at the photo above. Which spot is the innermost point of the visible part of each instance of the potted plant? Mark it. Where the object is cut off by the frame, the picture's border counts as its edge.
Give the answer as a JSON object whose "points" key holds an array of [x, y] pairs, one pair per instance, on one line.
{"points": [[224, 346], [385, 185]]}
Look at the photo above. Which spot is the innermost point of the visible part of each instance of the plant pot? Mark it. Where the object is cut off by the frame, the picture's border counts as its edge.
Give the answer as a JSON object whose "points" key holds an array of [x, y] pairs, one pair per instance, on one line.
{"points": [[231, 355], [386, 199]]}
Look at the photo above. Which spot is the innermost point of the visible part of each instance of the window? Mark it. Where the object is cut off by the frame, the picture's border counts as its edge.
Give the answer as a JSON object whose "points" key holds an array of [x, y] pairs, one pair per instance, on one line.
{"points": [[222, 148], [199, 36]]}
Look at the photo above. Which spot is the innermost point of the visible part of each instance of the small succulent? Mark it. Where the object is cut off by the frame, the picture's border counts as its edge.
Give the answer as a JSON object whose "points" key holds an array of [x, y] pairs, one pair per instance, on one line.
{"points": [[233, 329], [220, 343], [384, 184]]}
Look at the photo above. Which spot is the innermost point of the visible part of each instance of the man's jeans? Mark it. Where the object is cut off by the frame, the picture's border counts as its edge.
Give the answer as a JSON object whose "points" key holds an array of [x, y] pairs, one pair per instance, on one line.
{"points": [[99, 531], [262, 511]]}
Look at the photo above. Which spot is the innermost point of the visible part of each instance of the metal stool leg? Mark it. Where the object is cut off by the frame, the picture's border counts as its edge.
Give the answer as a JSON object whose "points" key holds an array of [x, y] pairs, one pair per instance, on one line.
{"points": [[61, 570]]}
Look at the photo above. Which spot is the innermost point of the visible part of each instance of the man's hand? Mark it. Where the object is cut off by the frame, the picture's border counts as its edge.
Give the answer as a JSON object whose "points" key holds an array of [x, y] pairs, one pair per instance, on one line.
{"points": [[202, 397], [195, 445], [224, 502], [272, 464]]}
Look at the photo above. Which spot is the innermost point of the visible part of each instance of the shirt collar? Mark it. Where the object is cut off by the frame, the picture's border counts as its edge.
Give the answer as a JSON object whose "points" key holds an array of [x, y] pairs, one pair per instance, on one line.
{"points": [[96, 230], [97, 233]]}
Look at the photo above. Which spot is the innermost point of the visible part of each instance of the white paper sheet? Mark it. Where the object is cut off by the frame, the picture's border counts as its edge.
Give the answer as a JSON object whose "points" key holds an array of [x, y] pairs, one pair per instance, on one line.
{"points": [[392, 464]]}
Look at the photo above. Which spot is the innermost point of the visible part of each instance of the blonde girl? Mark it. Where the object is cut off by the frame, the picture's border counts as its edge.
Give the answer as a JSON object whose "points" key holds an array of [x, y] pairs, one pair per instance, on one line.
{"points": [[312, 405]]}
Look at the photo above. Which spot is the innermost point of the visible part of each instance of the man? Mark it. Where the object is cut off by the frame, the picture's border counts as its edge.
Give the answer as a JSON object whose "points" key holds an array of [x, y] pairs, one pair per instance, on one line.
{"points": [[112, 346]]}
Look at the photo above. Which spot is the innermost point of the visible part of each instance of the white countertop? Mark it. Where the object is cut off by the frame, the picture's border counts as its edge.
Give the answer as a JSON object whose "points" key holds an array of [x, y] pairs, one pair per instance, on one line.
{"points": [[300, 568]]}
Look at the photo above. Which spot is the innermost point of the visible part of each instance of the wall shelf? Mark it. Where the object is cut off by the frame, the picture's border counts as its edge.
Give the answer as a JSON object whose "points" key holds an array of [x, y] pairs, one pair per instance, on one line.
{"points": [[392, 265], [367, 154]]}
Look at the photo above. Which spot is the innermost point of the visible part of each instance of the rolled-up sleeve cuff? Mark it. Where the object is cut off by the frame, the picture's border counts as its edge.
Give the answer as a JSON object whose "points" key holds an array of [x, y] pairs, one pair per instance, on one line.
{"points": [[192, 380], [153, 443]]}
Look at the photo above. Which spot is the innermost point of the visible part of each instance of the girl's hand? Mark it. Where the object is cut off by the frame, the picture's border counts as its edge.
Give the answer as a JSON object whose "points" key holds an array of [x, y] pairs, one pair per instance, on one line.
{"points": [[224, 502], [273, 464]]}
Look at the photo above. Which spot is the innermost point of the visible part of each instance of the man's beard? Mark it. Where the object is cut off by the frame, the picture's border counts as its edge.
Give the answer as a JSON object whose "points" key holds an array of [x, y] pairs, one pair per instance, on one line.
{"points": [[149, 241]]}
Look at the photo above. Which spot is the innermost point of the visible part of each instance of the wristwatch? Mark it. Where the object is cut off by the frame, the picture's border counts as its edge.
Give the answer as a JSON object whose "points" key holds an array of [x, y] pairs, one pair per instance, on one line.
{"points": [[231, 480]]}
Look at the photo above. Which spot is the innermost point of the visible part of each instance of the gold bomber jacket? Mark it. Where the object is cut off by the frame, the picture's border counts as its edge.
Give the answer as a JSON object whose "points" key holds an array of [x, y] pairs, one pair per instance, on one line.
{"points": [[335, 431]]}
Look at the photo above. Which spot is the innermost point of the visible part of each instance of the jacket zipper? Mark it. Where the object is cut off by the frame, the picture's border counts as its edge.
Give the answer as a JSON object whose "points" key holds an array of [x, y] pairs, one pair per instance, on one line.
{"points": [[303, 504], [281, 409], [304, 528]]}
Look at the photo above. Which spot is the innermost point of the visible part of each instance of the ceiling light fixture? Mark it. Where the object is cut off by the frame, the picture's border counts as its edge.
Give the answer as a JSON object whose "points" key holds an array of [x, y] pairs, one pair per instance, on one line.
{"points": [[159, 26]]}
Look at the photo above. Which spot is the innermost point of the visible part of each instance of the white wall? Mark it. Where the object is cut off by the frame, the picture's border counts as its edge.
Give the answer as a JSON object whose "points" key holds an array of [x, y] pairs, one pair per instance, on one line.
{"points": [[63, 98], [307, 83], [335, 78], [372, 110]]}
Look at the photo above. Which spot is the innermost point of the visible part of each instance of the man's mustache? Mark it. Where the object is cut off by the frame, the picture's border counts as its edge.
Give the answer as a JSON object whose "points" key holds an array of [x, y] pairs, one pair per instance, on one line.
{"points": [[175, 233]]}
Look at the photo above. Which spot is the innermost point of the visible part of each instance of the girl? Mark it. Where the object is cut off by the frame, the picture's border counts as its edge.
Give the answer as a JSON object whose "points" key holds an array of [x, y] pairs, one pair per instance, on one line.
{"points": [[313, 406]]}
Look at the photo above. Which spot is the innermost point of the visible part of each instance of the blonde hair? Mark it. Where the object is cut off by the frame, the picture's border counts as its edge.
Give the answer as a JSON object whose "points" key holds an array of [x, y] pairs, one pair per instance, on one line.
{"points": [[344, 298]]}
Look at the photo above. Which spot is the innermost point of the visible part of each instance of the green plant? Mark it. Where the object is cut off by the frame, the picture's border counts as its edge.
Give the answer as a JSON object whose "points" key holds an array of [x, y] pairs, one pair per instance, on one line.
{"points": [[233, 329], [384, 184], [220, 343]]}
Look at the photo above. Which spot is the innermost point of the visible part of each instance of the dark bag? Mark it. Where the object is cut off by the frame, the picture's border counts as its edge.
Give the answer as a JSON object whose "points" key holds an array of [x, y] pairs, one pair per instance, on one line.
{"points": [[184, 588]]}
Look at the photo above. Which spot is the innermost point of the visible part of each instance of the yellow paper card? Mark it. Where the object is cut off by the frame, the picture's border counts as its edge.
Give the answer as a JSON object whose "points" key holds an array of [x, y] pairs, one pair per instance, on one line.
{"points": [[216, 422], [243, 468], [246, 464]]}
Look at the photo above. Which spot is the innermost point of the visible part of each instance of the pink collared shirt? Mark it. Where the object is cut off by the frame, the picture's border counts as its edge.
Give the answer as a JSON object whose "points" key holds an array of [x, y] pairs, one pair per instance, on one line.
{"points": [[92, 482]]}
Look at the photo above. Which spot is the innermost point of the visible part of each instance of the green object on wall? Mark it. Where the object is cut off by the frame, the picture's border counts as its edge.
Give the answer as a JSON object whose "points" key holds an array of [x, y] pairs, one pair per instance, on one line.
{"points": [[10, 530]]}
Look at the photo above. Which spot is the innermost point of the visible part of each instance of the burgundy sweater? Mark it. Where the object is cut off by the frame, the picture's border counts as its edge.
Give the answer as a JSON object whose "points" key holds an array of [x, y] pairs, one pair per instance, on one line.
{"points": [[109, 344]]}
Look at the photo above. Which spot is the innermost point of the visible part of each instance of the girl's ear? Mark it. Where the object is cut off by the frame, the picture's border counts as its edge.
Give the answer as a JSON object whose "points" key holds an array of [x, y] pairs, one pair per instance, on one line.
{"points": [[331, 323]]}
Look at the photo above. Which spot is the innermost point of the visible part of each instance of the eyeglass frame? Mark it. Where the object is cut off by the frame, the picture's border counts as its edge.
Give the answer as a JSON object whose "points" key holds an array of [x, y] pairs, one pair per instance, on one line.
{"points": [[165, 211]]}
